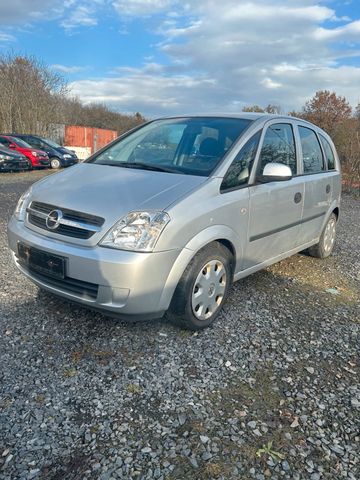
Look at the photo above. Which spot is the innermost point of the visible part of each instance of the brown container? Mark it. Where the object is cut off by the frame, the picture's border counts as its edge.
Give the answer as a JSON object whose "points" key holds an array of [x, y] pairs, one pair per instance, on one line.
{"points": [[88, 137]]}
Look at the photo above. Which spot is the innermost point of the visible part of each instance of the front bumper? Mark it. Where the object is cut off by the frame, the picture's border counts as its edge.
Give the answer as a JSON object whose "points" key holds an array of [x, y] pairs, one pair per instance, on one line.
{"points": [[14, 165], [40, 162], [129, 284], [67, 162]]}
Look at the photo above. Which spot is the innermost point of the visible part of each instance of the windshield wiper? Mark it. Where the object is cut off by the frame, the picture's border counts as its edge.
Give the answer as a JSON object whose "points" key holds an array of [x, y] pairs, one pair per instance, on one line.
{"points": [[144, 166]]}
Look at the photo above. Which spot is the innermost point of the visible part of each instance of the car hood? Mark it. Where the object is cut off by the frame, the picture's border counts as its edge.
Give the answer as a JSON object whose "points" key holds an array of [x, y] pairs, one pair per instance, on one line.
{"points": [[11, 153], [29, 150], [67, 151], [112, 192]]}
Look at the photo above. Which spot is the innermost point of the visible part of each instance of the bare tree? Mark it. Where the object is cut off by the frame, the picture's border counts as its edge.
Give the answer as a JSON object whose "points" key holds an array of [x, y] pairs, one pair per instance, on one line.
{"points": [[33, 94]]}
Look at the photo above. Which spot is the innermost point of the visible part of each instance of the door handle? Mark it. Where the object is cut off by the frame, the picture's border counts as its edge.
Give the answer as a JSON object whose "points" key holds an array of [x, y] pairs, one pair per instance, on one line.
{"points": [[328, 188], [297, 197]]}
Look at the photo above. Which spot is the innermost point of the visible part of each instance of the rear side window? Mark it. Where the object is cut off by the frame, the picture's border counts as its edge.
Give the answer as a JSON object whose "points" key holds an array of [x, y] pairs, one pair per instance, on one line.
{"points": [[240, 169], [329, 154], [278, 147], [312, 155]]}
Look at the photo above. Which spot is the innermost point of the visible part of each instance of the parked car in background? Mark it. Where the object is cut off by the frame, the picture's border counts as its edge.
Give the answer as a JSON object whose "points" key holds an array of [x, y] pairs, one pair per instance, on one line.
{"points": [[38, 158], [11, 161], [168, 216], [59, 156]]}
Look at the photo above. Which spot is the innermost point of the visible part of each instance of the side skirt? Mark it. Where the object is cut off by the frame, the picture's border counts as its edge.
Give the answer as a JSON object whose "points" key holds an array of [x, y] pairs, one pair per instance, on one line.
{"points": [[271, 261]]}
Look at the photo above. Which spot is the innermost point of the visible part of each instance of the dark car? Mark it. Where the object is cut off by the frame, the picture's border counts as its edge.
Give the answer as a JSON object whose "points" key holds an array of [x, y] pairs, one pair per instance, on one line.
{"points": [[11, 161], [38, 158], [59, 156]]}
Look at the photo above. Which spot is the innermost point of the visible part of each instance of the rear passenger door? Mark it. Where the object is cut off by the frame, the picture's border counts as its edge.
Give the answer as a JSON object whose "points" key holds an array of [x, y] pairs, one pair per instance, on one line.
{"points": [[276, 207], [317, 182]]}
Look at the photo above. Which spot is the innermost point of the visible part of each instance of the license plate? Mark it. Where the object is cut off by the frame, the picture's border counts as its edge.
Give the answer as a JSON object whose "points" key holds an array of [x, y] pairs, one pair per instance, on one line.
{"points": [[42, 262]]}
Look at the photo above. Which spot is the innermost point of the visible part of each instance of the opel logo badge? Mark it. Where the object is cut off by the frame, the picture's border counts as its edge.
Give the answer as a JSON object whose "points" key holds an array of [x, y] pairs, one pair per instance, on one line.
{"points": [[53, 220]]}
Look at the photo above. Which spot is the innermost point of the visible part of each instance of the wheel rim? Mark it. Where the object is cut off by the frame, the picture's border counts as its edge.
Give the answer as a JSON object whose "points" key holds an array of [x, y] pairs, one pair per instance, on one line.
{"points": [[329, 235], [55, 163], [209, 288]]}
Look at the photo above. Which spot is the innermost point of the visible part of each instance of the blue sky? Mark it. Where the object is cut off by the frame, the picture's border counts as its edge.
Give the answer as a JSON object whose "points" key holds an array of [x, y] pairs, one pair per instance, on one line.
{"points": [[171, 56]]}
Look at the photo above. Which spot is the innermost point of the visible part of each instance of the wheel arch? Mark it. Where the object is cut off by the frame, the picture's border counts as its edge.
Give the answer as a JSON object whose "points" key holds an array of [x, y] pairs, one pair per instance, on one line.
{"points": [[216, 233]]}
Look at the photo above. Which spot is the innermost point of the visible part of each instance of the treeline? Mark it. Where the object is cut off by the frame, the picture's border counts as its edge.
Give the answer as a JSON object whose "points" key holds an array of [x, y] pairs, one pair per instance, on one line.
{"points": [[34, 98], [334, 114]]}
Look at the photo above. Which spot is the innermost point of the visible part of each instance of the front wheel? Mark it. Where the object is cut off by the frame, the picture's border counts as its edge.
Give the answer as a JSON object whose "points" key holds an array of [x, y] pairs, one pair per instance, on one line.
{"points": [[203, 288], [55, 163], [324, 248]]}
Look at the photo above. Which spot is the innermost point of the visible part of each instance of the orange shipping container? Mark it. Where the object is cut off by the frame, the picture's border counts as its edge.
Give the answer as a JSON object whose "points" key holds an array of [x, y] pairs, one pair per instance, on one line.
{"points": [[88, 137]]}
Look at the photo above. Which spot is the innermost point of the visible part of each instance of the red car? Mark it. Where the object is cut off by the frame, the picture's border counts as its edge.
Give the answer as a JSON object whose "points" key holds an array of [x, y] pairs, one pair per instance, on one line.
{"points": [[38, 158]]}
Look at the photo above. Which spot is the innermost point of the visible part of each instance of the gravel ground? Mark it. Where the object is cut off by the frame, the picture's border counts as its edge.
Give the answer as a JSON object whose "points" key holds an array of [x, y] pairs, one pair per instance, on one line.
{"points": [[271, 391]]}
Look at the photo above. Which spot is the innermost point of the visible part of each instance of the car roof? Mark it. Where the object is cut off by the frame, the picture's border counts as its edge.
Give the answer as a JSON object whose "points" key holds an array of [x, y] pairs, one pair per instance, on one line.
{"points": [[264, 116], [19, 135], [241, 115]]}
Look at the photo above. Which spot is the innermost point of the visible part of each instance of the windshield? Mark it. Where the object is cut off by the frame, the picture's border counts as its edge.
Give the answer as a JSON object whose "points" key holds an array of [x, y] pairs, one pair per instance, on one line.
{"points": [[192, 146], [19, 142], [50, 142]]}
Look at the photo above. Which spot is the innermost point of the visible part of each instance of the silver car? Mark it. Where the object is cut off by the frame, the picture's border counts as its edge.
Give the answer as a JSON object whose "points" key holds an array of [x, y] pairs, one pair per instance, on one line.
{"points": [[166, 217]]}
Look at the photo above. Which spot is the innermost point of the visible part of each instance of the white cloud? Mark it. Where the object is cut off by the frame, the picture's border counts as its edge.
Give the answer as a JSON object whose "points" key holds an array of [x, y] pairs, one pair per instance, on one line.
{"points": [[141, 7], [147, 89], [82, 14], [347, 32], [68, 69], [20, 11], [70, 13], [225, 54], [218, 55], [6, 37], [269, 83]]}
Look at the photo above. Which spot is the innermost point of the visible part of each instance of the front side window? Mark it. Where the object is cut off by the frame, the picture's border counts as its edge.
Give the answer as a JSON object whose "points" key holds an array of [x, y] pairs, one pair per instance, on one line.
{"points": [[240, 169], [278, 147], [192, 146], [329, 154], [51, 143], [33, 141], [4, 141], [312, 155]]}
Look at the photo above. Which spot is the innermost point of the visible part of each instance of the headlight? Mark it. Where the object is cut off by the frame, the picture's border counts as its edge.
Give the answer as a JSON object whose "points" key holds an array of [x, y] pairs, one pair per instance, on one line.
{"points": [[138, 231], [20, 210], [4, 157], [66, 155], [35, 154]]}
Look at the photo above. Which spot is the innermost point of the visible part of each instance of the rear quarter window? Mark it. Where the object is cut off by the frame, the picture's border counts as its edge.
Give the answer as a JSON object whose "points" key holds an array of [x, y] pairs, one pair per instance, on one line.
{"points": [[329, 154]]}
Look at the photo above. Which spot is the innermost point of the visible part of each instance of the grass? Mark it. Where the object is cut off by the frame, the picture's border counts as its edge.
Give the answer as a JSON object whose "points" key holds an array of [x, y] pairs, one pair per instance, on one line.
{"points": [[268, 451], [70, 372], [133, 388]]}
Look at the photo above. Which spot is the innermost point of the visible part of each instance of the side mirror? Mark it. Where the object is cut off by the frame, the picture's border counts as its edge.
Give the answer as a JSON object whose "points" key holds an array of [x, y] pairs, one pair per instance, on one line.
{"points": [[12, 145], [275, 172]]}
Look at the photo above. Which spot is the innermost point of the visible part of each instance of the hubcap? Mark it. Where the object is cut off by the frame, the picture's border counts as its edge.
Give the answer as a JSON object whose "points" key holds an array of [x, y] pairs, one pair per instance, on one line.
{"points": [[329, 235], [208, 290]]}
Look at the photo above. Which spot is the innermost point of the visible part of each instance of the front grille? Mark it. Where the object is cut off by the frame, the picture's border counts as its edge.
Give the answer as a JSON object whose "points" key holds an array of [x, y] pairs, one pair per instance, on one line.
{"points": [[83, 290], [75, 224], [16, 165]]}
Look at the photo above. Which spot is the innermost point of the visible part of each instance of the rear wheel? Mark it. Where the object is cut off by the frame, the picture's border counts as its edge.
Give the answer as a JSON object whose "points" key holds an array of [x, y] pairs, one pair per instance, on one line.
{"points": [[324, 248], [55, 162], [203, 288]]}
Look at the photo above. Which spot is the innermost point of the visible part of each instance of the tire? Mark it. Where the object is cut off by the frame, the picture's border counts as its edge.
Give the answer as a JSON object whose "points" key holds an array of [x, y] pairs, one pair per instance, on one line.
{"points": [[324, 248], [55, 162], [210, 271]]}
